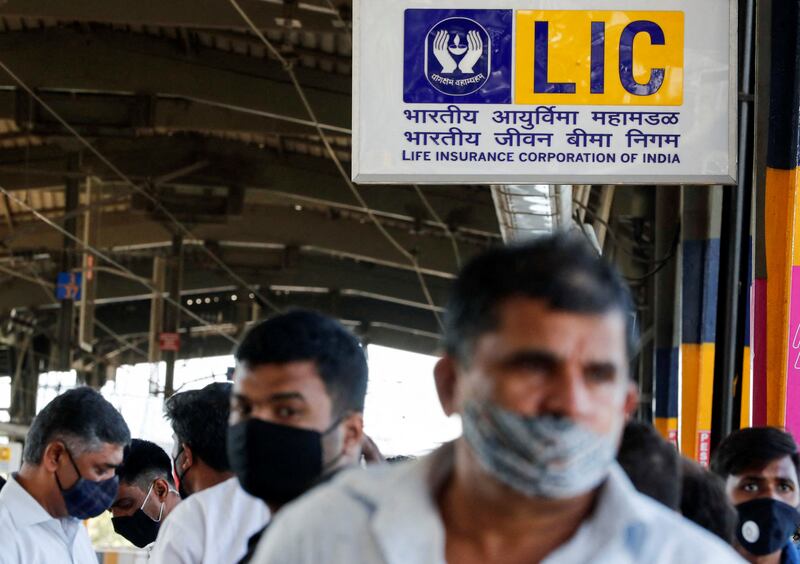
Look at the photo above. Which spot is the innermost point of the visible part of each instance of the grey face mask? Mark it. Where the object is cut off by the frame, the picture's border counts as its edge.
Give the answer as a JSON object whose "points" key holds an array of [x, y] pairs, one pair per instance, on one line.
{"points": [[545, 456]]}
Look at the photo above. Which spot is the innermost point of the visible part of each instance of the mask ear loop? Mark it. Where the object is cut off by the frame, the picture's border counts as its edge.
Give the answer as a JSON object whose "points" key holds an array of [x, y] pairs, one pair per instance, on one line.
{"points": [[75, 466], [161, 509], [338, 457]]}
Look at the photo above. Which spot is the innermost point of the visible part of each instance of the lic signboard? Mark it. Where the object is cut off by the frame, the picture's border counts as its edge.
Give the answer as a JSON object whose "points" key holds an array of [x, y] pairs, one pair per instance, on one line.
{"points": [[520, 91]]}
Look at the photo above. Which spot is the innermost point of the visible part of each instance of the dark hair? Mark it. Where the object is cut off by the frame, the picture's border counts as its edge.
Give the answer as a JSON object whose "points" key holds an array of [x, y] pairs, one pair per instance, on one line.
{"points": [[82, 419], [753, 448], [145, 462], [652, 464], [302, 335], [705, 501], [200, 419], [562, 270]]}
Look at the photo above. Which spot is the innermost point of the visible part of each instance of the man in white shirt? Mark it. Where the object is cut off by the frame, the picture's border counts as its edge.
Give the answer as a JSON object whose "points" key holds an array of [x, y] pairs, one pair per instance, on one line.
{"points": [[147, 493], [215, 519], [68, 474], [537, 341], [297, 409]]}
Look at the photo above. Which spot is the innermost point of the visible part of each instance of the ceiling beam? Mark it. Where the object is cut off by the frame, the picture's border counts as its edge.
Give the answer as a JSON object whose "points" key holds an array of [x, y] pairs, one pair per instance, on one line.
{"points": [[379, 320], [310, 231], [212, 14], [293, 273], [123, 62], [466, 208]]}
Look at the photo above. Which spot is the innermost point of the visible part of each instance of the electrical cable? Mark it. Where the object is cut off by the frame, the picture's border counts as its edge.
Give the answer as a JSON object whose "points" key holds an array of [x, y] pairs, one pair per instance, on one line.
{"points": [[289, 68], [182, 229], [660, 264], [618, 245], [441, 223], [99, 254], [47, 288]]}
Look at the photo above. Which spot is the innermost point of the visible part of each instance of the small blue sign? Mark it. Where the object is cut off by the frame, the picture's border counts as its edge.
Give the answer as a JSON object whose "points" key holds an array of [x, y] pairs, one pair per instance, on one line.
{"points": [[68, 286], [454, 56]]}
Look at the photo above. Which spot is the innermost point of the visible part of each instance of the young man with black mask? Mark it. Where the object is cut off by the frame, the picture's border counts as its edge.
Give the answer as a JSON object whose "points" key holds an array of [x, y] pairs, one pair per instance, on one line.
{"points": [[537, 350], [297, 407], [68, 469], [760, 469], [215, 519], [146, 493]]}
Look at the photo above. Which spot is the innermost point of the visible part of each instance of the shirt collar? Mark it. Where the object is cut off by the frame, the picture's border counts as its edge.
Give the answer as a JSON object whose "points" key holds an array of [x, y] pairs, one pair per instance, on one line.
{"points": [[405, 505], [22, 506]]}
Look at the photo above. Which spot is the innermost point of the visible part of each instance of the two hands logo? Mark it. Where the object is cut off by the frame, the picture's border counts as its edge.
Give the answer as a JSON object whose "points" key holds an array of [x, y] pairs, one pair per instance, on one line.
{"points": [[444, 51], [458, 56]]}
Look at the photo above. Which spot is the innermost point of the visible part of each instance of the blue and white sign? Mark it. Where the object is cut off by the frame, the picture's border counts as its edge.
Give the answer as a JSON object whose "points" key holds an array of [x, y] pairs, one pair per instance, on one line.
{"points": [[457, 56], [545, 91], [68, 286]]}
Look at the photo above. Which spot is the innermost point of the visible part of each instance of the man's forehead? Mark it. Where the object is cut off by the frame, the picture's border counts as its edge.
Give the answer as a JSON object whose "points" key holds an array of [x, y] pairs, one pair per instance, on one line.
{"points": [[108, 453], [524, 321], [266, 379], [782, 468]]}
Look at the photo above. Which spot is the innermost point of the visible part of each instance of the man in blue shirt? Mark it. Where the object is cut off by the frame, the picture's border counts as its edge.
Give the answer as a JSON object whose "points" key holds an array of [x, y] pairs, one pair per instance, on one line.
{"points": [[760, 469]]}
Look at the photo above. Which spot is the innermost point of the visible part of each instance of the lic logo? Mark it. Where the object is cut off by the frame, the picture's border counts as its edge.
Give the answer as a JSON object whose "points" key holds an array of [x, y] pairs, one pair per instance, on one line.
{"points": [[458, 56]]}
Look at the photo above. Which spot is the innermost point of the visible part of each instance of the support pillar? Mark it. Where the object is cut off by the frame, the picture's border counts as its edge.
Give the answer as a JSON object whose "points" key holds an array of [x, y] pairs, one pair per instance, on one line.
{"points": [[702, 207], [66, 316], [172, 314], [780, 308], [667, 314]]}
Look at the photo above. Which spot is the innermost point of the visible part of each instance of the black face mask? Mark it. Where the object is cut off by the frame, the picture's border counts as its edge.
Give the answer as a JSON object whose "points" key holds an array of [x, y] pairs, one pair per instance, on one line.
{"points": [[182, 492], [765, 525], [276, 463], [139, 528]]}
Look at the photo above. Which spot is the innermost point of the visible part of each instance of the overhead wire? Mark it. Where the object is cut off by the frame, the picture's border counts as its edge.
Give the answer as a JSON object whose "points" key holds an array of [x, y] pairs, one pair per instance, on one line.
{"points": [[288, 67], [47, 288], [618, 243], [420, 193], [101, 255], [659, 264], [441, 223], [182, 229]]}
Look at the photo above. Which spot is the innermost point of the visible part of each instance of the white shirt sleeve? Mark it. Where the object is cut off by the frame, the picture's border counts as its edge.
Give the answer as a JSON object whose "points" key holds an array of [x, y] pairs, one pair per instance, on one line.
{"points": [[181, 536]]}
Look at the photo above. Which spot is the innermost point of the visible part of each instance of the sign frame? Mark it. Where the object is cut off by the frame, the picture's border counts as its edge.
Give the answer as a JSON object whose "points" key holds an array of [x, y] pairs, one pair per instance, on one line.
{"points": [[359, 176]]}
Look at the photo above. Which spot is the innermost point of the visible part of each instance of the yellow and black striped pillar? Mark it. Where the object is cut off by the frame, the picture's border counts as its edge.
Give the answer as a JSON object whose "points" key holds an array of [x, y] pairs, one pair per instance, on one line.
{"points": [[702, 210], [776, 321]]}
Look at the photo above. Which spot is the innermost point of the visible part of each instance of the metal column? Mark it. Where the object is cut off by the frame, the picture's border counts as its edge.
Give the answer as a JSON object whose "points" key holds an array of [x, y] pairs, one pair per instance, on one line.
{"points": [[667, 317], [172, 315], [733, 289], [68, 263]]}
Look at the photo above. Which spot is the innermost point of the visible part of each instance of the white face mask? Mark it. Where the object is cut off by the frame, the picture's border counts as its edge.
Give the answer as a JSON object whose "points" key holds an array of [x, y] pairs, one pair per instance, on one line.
{"points": [[544, 456]]}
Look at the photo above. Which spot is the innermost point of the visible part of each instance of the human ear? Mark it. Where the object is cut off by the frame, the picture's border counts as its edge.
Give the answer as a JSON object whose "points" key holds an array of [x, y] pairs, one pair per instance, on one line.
{"points": [[444, 374], [188, 458], [161, 489], [353, 432], [52, 455]]}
